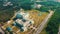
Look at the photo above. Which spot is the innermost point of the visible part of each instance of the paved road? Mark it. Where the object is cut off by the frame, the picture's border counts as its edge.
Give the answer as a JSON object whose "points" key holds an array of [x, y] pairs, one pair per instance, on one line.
{"points": [[1, 30], [42, 25], [59, 29]]}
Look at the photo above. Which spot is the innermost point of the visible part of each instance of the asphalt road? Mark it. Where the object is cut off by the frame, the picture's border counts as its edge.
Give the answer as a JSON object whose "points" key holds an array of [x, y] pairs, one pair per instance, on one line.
{"points": [[59, 29], [1, 30], [42, 25]]}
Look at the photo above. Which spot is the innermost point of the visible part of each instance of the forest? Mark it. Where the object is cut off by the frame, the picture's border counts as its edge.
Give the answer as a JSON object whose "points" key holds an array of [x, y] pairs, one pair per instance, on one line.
{"points": [[53, 24], [6, 12]]}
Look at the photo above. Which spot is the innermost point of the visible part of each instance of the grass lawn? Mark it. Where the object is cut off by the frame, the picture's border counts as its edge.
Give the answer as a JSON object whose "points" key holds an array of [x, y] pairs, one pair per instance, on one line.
{"points": [[36, 15], [43, 32]]}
